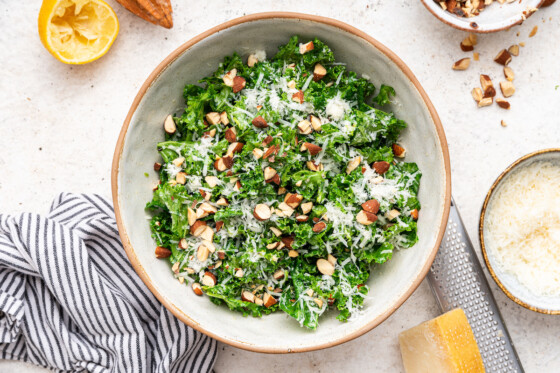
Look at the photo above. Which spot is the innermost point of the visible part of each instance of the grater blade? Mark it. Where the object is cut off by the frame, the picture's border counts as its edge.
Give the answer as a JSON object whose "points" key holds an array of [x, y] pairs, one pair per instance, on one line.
{"points": [[457, 281]]}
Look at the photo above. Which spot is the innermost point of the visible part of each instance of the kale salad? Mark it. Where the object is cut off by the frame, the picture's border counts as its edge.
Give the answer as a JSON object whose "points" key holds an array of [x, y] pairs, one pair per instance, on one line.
{"points": [[282, 183]]}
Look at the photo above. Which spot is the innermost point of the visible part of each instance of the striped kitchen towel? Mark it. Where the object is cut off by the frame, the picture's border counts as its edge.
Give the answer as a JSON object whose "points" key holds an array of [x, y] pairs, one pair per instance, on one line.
{"points": [[70, 300]]}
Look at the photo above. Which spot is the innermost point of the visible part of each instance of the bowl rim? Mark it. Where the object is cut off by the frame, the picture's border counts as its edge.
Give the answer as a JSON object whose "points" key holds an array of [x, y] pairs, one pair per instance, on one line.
{"points": [[491, 191], [172, 57], [438, 14]]}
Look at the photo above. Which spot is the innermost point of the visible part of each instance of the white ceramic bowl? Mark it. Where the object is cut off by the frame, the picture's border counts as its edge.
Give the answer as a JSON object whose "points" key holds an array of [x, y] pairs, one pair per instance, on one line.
{"points": [[509, 283], [135, 154], [496, 17]]}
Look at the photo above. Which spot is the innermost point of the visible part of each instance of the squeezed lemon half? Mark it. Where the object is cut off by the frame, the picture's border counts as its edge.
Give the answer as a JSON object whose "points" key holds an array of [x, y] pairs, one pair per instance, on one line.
{"points": [[77, 31]]}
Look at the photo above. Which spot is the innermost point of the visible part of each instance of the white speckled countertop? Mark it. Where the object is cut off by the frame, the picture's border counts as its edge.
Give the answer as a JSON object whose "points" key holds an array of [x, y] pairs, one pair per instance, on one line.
{"points": [[59, 125]]}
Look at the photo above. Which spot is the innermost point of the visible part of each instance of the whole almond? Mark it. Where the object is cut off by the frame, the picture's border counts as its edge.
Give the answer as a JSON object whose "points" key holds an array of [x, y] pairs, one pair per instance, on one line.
{"points": [[158, 12]]}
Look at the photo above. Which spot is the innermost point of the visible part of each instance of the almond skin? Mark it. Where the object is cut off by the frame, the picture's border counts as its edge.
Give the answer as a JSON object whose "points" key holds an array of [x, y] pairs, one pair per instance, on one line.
{"points": [[503, 103], [414, 214], [230, 135], [235, 147], [154, 11], [319, 227], [293, 199], [219, 225], [371, 206], [162, 252], [272, 150], [269, 300], [209, 279], [262, 212], [238, 84], [259, 122], [319, 72], [312, 148], [298, 97], [398, 151], [288, 241], [381, 167]]}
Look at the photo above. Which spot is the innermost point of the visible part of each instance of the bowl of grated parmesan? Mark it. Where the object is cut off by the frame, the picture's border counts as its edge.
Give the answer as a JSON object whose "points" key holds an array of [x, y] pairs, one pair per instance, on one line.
{"points": [[520, 231]]}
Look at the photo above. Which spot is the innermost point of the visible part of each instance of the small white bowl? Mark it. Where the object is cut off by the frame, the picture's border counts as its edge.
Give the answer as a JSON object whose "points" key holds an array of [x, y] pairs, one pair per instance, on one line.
{"points": [[495, 17], [509, 283]]}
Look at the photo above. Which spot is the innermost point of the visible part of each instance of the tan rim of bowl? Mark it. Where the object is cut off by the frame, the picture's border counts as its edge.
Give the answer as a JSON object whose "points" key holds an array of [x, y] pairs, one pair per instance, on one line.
{"points": [[175, 54], [481, 231], [472, 29]]}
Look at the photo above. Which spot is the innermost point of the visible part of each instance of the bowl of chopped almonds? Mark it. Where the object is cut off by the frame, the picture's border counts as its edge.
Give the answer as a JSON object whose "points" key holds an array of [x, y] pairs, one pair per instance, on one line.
{"points": [[282, 182], [483, 16]]}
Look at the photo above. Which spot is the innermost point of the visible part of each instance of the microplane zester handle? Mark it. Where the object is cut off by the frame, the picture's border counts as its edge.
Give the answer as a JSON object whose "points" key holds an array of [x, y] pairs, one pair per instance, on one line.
{"points": [[457, 281]]}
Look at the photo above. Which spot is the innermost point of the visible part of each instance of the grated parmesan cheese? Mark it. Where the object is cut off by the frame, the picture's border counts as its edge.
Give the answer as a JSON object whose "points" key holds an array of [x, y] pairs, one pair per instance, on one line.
{"points": [[523, 227], [337, 107]]}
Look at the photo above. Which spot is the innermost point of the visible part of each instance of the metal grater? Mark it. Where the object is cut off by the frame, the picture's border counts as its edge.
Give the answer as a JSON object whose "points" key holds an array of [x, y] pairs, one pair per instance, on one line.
{"points": [[457, 281]]}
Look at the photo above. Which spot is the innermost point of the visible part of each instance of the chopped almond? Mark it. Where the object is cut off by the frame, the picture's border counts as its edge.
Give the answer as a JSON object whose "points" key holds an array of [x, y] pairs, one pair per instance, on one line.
{"points": [[169, 125], [507, 88], [477, 94], [325, 267], [508, 73], [462, 64]]}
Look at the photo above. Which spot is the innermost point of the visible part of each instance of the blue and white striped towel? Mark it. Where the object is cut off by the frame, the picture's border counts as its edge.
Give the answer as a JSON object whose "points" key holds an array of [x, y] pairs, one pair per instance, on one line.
{"points": [[70, 300]]}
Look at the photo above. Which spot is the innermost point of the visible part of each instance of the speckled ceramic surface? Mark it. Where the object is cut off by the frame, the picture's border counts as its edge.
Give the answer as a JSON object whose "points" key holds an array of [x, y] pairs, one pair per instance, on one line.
{"points": [[390, 284], [507, 281], [495, 17]]}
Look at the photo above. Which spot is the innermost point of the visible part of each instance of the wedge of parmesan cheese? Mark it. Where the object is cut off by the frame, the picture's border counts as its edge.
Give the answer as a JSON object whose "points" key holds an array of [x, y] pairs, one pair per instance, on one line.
{"points": [[522, 227], [445, 344]]}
